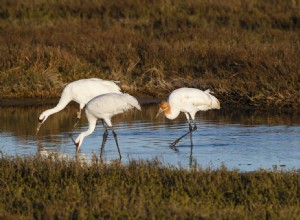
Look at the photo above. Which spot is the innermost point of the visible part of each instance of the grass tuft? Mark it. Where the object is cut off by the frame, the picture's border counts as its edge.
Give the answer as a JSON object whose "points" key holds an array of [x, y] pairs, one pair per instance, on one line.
{"points": [[36, 187]]}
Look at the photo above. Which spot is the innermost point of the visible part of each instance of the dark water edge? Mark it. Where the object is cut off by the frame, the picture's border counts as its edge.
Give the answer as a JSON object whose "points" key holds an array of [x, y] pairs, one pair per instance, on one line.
{"points": [[228, 105], [41, 102]]}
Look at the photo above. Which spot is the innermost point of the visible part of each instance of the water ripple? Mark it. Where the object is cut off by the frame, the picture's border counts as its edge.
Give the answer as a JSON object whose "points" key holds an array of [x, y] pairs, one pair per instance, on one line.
{"points": [[219, 139]]}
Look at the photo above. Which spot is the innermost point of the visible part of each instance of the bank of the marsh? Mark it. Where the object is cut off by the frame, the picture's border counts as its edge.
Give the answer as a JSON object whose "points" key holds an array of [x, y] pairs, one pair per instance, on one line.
{"points": [[51, 188], [247, 52]]}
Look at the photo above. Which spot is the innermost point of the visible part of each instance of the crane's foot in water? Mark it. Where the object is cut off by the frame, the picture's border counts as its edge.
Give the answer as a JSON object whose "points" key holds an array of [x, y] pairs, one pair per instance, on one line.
{"points": [[173, 146]]}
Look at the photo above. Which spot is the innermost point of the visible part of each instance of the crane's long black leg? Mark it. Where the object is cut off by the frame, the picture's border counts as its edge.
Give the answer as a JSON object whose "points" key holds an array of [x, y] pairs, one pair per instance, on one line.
{"points": [[172, 145], [191, 156], [77, 119], [103, 141], [116, 139], [191, 129], [191, 138], [195, 126], [191, 153], [105, 133]]}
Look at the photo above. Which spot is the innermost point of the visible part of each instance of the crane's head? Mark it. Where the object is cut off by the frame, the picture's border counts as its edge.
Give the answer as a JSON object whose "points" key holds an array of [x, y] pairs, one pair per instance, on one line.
{"points": [[78, 142], [42, 119], [163, 107]]}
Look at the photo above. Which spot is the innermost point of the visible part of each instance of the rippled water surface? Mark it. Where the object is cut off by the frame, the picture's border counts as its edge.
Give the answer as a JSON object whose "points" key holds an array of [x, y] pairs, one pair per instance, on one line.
{"points": [[246, 140]]}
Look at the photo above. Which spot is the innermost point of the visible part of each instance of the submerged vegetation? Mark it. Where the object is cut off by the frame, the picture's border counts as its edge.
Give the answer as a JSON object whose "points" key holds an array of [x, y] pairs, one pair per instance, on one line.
{"points": [[247, 52], [51, 188]]}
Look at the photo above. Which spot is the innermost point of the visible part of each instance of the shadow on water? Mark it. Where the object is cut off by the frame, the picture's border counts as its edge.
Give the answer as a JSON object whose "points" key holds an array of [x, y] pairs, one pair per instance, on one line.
{"points": [[246, 140]]}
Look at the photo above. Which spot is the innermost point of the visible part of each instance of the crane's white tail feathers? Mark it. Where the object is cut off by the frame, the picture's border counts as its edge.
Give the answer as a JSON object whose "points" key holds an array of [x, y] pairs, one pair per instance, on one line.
{"points": [[113, 86], [132, 101], [215, 104], [208, 91]]}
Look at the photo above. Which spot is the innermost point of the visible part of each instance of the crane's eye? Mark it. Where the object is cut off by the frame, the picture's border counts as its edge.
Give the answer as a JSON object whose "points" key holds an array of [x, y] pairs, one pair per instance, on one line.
{"points": [[41, 120]]}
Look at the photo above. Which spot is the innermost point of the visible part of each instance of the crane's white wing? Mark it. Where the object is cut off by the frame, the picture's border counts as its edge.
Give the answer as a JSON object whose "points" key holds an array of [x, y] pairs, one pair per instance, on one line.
{"points": [[111, 104], [188, 98]]}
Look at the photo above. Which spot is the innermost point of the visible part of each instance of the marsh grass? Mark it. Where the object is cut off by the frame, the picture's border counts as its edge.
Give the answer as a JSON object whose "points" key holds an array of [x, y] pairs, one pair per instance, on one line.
{"points": [[52, 188], [247, 52]]}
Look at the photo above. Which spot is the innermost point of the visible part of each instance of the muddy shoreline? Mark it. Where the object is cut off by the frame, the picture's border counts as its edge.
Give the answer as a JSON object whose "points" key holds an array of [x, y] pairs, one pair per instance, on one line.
{"points": [[228, 106], [27, 102]]}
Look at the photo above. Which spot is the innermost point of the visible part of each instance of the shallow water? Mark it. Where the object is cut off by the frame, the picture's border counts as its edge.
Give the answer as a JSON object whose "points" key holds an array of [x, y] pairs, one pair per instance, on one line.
{"points": [[246, 140]]}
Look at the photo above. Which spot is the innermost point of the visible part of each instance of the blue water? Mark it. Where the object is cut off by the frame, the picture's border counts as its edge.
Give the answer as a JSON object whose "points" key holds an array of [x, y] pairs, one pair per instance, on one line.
{"points": [[243, 140]]}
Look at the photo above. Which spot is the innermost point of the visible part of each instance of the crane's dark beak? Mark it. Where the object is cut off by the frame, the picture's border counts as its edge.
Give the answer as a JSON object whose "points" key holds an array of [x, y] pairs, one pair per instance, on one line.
{"points": [[77, 147], [159, 112], [38, 128], [39, 125], [76, 144]]}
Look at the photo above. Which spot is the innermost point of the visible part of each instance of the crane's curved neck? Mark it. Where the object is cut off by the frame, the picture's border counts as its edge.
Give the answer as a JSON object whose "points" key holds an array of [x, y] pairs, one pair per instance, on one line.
{"points": [[53, 110], [171, 112], [92, 125], [61, 105], [85, 133]]}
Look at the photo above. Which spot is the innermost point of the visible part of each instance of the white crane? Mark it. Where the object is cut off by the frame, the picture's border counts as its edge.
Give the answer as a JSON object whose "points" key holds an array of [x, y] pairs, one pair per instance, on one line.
{"points": [[105, 107], [189, 101], [80, 91]]}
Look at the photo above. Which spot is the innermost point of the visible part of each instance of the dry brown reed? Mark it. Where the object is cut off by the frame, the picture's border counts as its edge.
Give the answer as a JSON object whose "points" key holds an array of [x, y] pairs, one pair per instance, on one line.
{"points": [[247, 52]]}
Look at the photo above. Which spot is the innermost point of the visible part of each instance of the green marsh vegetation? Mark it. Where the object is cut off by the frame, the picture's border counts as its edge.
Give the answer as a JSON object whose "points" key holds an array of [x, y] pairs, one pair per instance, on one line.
{"points": [[247, 52], [52, 188]]}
